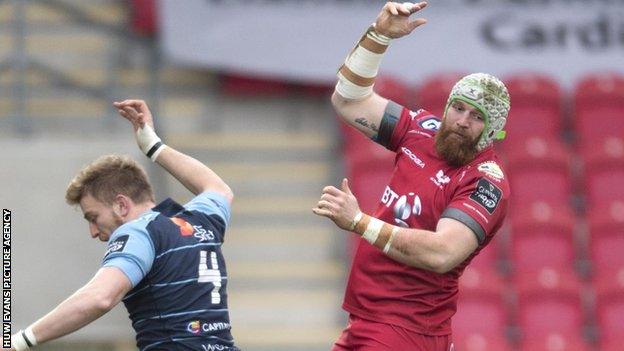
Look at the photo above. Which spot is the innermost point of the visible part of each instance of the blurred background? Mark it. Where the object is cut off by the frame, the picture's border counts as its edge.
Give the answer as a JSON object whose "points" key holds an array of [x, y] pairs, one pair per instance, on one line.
{"points": [[244, 86]]}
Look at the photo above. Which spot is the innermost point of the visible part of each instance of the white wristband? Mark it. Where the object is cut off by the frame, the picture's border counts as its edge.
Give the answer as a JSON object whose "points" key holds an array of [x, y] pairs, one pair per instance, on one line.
{"points": [[30, 336], [23, 340], [149, 142], [372, 230]]}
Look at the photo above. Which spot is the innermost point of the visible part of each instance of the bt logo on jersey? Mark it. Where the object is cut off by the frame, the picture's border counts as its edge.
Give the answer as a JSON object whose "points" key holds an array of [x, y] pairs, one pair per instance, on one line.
{"points": [[403, 205]]}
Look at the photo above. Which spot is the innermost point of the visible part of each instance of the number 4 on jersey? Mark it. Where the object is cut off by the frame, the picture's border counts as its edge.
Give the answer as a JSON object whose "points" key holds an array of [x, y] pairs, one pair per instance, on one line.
{"points": [[212, 275]]}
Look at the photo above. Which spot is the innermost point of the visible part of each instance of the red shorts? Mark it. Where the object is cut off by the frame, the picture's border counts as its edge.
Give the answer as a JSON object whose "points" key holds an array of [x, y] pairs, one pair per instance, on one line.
{"points": [[365, 335]]}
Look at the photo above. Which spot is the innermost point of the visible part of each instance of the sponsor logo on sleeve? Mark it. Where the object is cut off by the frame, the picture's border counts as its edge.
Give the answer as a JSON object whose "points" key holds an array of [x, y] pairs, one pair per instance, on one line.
{"points": [[430, 123], [492, 170], [117, 245], [487, 195]]}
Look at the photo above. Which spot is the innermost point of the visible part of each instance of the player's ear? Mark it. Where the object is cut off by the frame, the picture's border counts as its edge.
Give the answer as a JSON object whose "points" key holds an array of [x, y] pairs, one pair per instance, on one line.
{"points": [[121, 205]]}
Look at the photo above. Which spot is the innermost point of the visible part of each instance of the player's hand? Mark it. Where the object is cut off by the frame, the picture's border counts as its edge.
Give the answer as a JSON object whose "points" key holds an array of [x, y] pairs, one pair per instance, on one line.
{"points": [[340, 206], [393, 20], [135, 111]]}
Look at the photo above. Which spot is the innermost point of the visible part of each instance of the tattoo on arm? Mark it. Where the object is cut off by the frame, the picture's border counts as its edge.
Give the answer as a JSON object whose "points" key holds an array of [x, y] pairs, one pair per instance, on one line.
{"points": [[364, 122]]}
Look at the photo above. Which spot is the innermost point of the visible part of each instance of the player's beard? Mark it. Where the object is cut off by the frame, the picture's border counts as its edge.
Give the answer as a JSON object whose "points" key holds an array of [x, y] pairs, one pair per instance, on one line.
{"points": [[456, 150]]}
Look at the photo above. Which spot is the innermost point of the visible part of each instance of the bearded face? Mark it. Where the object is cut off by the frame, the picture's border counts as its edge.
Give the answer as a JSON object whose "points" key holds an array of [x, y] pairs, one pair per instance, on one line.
{"points": [[457, 142]]}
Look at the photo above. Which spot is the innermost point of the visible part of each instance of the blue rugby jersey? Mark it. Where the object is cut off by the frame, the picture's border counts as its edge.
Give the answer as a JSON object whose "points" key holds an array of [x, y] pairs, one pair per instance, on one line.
{"points": [[172, 255]]}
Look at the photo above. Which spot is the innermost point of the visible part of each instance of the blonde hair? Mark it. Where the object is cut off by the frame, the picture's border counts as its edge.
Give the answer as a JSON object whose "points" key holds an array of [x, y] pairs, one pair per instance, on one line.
{"points": [[109, 176]]}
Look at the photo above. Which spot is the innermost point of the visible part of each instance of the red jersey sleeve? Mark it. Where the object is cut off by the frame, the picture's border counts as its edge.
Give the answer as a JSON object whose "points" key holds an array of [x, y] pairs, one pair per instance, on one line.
{"points": [[400, 124], [480, 200]]}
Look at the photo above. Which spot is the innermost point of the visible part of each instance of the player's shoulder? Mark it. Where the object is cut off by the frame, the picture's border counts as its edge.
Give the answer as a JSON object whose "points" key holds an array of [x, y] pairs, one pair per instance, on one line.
{"points": [[422, 122]]}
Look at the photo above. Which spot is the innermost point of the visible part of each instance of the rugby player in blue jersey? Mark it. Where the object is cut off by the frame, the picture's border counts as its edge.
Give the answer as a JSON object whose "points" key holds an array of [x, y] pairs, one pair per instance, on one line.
{"points": [[163, 261]]}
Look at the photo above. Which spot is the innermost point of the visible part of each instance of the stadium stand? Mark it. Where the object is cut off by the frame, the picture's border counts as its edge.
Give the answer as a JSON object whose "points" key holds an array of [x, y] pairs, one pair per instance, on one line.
{"points": [[609, 304], [549, 302], [539, 171], [598, 106], [603, 172], [542, 240], [536, 111], [433, 92], [606, 242], [483, 306], [556, 342]]}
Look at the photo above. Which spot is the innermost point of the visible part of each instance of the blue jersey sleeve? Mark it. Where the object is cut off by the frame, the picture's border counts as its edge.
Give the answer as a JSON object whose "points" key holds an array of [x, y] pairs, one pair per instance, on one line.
{"points": [[131, 249], [210, 203]]}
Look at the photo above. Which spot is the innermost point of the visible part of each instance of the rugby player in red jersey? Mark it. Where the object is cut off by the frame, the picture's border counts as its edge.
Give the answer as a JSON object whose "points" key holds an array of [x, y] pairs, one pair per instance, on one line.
{"points": [[446, 199]]}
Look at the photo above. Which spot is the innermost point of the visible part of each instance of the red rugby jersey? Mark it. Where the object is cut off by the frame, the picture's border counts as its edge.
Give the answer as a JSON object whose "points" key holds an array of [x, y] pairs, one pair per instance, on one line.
{"points": [[423, 188]]}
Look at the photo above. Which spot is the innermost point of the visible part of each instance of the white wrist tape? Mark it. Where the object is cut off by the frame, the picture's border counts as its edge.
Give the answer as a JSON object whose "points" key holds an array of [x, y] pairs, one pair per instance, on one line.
{"points": [[356, 219], [372, 230], [23, 340], [149, 142], [389, 243], [379, 38]]}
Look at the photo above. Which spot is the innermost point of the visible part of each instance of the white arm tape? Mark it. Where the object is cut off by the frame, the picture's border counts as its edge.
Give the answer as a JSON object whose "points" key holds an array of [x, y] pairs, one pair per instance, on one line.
{"points": [[364, 63], [349, 90], [389, 243], [372, 230]]}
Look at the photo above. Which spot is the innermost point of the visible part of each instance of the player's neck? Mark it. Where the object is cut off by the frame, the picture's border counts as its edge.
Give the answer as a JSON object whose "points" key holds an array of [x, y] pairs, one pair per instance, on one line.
{"points": [[137, 210]]}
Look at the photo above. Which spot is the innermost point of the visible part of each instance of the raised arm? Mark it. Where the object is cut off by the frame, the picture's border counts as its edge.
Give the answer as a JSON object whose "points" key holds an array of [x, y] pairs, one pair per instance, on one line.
{"points": [[438, 251], [194, 175], [98, 296], [353, 98]]}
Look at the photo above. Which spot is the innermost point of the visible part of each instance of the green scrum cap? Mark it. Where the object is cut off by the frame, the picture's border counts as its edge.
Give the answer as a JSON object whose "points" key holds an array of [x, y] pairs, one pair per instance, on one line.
{"points": [[489, 95]]}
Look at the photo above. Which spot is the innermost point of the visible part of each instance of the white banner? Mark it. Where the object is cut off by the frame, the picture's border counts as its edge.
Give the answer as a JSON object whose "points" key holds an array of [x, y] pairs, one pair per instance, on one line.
{"points": [[307, 40]]}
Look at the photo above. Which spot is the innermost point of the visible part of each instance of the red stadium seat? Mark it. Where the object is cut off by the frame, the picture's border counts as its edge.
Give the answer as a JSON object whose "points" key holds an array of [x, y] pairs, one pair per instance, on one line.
{"points": [[538, 171], [394, 89], [484, 315], [542, 236], [556, 342], [606, 239], [604, 173], [488, 257], [549, 302], [363, 154], [481, 282], [598, 105], [434, 92], [609, 298], [481, 342], [612, 345], [536, 107]]}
